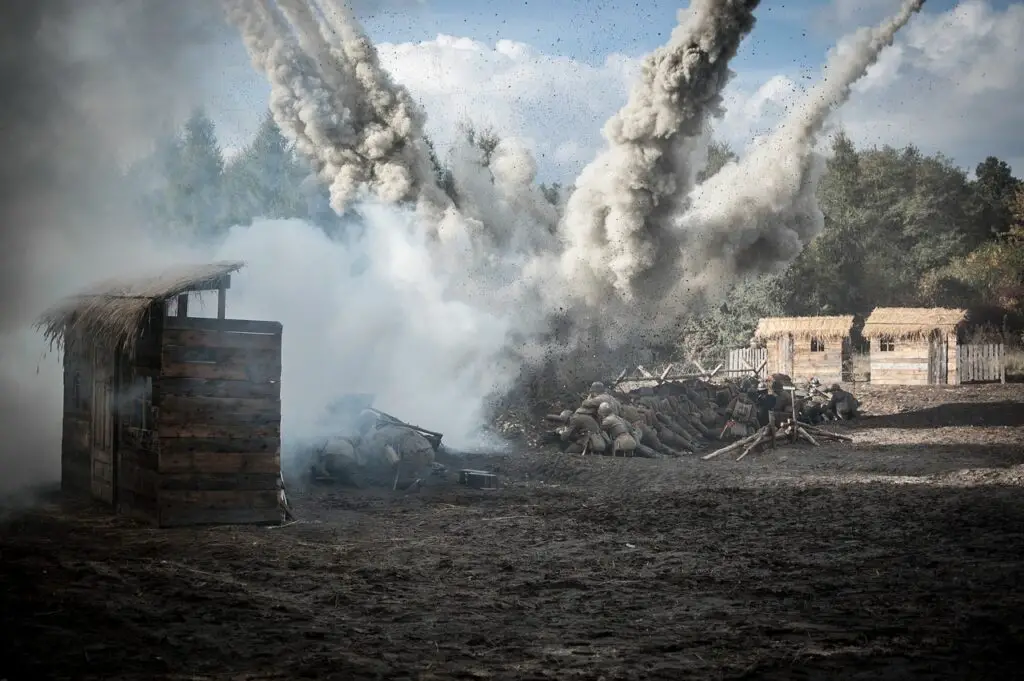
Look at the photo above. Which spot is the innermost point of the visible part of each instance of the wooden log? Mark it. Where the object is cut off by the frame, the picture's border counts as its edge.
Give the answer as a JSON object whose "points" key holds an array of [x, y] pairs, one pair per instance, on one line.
{"points": [[734, 446], [803, 433], [753, 445]]}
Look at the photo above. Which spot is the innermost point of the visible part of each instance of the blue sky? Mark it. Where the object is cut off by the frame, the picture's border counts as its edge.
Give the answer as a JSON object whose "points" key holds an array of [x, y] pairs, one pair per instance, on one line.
{"points": [[791, 40], [787, 34]]}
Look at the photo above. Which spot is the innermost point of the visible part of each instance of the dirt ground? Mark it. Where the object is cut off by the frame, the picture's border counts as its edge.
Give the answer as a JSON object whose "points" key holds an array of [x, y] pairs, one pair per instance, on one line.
{"points": [[898, 556]]}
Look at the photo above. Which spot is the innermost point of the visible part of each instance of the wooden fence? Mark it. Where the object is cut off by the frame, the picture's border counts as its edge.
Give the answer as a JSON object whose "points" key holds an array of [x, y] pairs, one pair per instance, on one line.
{"points": [[746, 361], [981, 363]]}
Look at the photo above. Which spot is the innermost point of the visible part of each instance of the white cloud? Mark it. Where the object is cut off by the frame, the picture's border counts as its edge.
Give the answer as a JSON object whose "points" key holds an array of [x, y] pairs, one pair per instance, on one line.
{"points": [[556, 104], [949, 84]]}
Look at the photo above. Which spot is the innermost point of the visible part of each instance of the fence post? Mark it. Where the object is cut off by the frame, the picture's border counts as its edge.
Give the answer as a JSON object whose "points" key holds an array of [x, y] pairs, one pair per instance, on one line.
{"points": [[1002, 363]]}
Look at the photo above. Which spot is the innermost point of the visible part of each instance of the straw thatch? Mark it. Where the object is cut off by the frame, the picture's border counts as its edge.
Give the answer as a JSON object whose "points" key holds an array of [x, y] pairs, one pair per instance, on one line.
{"points": [[110, 314], [911, 322], [804, 328]]}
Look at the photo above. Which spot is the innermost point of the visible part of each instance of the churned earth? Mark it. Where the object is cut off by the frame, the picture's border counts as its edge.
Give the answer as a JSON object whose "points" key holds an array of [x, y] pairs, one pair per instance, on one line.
{"points": [[897, 556]]}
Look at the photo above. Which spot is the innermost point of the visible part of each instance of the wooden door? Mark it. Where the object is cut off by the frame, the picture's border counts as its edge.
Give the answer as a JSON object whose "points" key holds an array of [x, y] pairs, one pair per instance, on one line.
{"points": [[937, 366], [102, 429], [785, 355]]}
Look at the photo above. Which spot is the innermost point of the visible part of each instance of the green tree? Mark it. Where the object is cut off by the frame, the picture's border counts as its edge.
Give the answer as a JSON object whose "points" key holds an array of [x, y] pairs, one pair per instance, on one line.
{"points": [[995, 188], [195, 170], [265, 179]]}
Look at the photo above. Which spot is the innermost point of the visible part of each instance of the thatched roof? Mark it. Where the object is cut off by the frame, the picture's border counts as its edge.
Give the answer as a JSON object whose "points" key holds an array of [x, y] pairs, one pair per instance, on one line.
{"points": [[803, 328], [911, 322], [110, 313]]}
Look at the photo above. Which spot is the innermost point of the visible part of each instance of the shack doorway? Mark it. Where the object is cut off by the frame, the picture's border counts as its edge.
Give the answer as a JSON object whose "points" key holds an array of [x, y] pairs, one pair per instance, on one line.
{"points": [[937, 354], [786, 354]]}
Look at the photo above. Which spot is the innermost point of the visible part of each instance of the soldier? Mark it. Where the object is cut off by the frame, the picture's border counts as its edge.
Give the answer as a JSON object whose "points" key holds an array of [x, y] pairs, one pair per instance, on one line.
{"points": [[618, 430], [584, 433], [766, 403], [395, 446], [842, 405], [337, 459]]}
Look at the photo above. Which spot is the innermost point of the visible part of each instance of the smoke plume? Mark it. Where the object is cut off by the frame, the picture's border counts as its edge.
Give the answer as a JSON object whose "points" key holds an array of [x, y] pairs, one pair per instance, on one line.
{"points": [[615, 221], [331, 97], [86, 87], [756, 215]]}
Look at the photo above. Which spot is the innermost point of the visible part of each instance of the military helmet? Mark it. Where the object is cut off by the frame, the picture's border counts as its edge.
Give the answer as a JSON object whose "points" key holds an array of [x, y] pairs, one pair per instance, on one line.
{"points": [[834, 387], [597, 387], [815, 382]]}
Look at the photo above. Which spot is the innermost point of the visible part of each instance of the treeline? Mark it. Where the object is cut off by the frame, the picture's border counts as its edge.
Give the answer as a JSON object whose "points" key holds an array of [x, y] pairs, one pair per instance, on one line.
{"points": [[901, 228]]}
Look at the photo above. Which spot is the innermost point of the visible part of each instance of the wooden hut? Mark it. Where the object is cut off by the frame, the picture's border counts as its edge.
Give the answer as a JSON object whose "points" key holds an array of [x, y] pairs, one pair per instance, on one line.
{"points": [[807, 347], [172, 419], [914, 345]]}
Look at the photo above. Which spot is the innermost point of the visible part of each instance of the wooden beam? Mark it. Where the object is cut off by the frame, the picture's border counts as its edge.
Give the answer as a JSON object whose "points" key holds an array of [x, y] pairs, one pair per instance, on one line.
{"points": [[183, 305], [222, 302]]}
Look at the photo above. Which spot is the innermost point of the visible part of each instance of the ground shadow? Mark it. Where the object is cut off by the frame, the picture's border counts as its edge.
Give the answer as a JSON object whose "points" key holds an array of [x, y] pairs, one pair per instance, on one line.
{"points": [[812, 582], [954, 414]]}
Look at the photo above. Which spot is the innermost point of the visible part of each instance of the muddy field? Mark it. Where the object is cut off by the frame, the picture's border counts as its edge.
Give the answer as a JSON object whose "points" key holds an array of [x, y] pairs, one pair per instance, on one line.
{"points": [[899, 556]]}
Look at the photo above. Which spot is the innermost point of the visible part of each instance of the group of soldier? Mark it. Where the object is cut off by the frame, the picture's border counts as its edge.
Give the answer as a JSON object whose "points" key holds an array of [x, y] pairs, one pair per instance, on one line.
{"points": [[671, 420], [650, 425], [770, 399], [376, 450]]}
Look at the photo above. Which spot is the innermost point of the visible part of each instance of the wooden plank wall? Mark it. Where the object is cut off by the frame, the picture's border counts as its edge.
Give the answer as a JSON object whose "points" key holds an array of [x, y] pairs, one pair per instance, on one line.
{"points": [[982, 363], [907, 364], [218, 404], [826, 366], [76, 438]]}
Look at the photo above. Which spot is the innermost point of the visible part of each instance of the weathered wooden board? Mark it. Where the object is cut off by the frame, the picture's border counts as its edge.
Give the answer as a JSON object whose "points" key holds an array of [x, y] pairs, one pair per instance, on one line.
{"points": [[229, 325], [206, 481], [171, 446], [257, 366], [230, 431], [210, 411], [199, 387], [210, 338], [220, 462]]}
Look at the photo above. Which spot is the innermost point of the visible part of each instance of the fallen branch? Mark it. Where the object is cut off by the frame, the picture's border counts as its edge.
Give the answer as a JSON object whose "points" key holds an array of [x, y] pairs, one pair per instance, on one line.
{"points": [[760, 438], [734, 446]]}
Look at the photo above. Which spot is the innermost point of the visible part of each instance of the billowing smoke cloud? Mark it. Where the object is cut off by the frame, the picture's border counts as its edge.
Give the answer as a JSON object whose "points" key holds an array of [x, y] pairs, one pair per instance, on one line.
{"points": [[85, 88], [757, 214], [615, 221], [332, 98]]}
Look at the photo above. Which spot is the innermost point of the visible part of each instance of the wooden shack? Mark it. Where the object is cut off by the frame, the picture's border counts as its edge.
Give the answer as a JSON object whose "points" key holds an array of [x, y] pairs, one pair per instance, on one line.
{"points": [[807, 347], [913, 345], [172, 419]]}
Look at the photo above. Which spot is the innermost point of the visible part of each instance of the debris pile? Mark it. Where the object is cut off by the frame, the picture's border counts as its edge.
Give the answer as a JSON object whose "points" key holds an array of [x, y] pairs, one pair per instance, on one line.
{"points": [[672, 419]]}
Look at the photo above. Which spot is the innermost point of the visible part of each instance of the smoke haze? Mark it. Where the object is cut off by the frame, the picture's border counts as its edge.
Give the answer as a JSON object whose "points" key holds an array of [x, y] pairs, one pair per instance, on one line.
{"points": [[438, 304]]}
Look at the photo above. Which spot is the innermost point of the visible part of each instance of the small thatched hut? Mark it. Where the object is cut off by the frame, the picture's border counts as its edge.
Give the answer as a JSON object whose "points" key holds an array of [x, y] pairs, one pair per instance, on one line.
{"points": [[914, 345], [807, 347], [172, 419]]}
